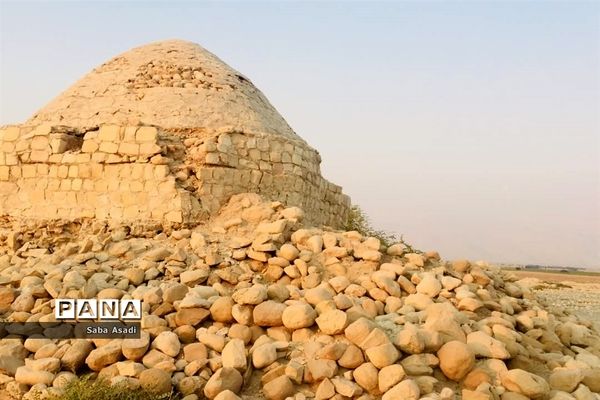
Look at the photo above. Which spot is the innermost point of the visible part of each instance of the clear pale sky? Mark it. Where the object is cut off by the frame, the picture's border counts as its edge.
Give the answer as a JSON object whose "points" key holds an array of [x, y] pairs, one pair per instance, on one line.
{"points": [[470, 127]]}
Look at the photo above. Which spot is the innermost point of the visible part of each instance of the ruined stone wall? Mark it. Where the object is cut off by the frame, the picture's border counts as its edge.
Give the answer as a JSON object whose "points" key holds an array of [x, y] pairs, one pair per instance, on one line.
{"points": [[133, 173], [52, 173], [277, 167]]}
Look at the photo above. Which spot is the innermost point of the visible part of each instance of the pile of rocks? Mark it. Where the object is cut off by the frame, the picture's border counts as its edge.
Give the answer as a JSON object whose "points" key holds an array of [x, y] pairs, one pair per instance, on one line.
{"points": [[254, 305]]}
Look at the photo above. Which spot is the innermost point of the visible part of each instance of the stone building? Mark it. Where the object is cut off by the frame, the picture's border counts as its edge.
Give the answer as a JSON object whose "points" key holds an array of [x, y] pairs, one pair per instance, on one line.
{"points": [[165, 132]]}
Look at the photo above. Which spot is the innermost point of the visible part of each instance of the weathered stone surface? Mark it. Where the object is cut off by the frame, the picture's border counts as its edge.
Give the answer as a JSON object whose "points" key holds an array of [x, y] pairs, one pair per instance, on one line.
{"points": [[221, 380], [526, 383], [565, 379], [104, 355], [74, 359], [279, 388], [168, 343], [332, 322], [366, 376], [389, 376], [234, 354], [264, 355], [456, 359], [298, 316], [155, 380], [407, 389], [29, 376], [269, 313], [484, 345], [134, 349]]}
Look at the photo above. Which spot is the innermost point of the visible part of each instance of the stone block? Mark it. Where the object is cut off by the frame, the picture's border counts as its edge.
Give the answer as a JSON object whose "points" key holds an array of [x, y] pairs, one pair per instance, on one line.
{"points": [[10, 133], [149, 149], [76, 184], [4, 173], [89, 146], [65, 185], [55, 158], [7, 147], [137, 171], [53, 171], [73, 171], [161, 171], [29, 171], [53, 185], [109, 147], [114, 159], [69, 158], [37, 197], [98, 157], [11, 159], [41, 130], [83, 158], [63, 171], [39, 143], [96, 170], [254, 154], [15, 172], [130, 149], [136, 186], [101, 185], [113, 185], [85, 171], [109, 133], [88, 185], [129, 134], [146, 134]]}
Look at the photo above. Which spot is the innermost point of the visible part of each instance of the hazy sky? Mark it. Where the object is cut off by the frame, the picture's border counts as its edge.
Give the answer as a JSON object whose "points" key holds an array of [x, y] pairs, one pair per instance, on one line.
{"points": [[470, 127]]}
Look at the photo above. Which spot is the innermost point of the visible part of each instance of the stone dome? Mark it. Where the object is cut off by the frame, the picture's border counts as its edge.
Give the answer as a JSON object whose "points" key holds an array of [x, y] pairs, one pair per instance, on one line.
{"points": [[173, 84], [163, 134]]}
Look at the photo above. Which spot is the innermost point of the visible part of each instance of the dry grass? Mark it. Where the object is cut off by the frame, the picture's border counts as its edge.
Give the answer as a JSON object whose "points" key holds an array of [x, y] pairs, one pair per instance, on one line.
{"points": [[86, 389]]}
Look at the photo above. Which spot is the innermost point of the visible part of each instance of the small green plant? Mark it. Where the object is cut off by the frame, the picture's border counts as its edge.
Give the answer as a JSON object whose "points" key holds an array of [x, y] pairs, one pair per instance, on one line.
{"points": [[360, 222], [84, 388]]}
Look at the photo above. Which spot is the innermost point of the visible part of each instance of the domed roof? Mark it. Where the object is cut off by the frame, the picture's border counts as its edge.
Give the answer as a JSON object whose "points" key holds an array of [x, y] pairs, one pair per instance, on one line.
{"points": [[173, 84]]}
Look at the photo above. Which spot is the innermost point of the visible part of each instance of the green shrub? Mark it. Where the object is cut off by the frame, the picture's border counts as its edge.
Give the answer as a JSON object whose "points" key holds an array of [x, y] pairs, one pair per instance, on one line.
{"points": [[360, 222], [84, 388]]}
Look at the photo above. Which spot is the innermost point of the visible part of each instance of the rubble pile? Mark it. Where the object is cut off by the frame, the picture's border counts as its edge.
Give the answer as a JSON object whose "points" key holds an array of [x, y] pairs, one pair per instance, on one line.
{"points": [[256, 305]]}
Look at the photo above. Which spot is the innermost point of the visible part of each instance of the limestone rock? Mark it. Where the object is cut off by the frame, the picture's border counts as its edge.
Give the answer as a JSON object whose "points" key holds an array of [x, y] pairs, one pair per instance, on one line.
{"points": [[332, 322], [234, 354], [104, 355], [264, 355], [456, 359], [29, 376], [279, 388], [155, 380], [486, 346], [565, 379], [389, 376], [222, 380], [298, 316], [168, 343], [366, 376], [528, 384], [269, 313], [253, 295], [407, 389]]}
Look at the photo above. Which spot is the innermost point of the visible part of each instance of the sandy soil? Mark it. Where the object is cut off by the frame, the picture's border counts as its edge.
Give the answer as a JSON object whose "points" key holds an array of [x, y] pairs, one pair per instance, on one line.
{"points": [[577, 293], [559, 277]]}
